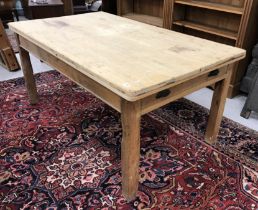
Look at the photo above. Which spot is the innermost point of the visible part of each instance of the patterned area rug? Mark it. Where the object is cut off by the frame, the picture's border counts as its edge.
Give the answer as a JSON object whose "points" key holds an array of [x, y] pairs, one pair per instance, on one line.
{"points": [[64, 153], [236, 140]]}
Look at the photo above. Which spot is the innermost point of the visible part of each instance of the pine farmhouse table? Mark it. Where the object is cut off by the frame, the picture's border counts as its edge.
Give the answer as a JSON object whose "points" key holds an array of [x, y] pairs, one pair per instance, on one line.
{"points": [[132, 66]]}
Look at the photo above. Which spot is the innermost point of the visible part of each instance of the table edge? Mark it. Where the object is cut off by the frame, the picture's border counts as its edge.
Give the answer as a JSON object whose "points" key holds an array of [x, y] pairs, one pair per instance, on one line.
{"points": [[134, 95]]}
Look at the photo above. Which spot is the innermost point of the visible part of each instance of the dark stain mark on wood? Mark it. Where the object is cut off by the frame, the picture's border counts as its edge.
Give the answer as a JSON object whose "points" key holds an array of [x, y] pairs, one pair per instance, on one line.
{"points": [[179, 49], [56, 23]]}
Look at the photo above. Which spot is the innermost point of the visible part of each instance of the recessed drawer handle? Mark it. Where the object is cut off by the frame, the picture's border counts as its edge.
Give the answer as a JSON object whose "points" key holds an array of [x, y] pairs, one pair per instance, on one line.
{"points": [[163, 94], [213, 73]]}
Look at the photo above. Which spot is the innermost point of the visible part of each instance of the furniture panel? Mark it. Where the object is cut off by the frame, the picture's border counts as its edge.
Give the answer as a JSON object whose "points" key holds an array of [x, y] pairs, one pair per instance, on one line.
{"points": [[208, 29], [145, 18], [236, 3], [214, 19], [149, 7], [154, 12], [205, 35], [214, 5]]}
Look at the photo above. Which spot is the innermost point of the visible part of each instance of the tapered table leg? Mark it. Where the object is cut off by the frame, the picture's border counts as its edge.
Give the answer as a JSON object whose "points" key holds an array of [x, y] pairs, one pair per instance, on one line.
{"points": [[28, 75], [217, 107], [130, 116]]}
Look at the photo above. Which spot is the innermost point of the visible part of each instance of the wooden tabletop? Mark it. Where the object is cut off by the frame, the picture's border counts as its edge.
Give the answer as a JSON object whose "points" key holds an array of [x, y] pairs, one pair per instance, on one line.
{"points": [[131, 58]]}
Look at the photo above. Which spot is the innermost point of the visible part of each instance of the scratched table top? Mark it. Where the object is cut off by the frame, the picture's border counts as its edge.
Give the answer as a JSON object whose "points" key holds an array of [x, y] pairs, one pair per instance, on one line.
{"points": [[130, 58]]}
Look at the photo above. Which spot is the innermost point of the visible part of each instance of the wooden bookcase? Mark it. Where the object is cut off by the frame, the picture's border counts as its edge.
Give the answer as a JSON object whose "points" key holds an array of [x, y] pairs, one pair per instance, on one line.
{"points": [[232, 22], [154, 12]]}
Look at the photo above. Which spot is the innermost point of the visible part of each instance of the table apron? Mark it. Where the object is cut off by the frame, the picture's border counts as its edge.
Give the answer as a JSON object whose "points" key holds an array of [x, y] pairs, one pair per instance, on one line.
{"points": [[157, 100]]}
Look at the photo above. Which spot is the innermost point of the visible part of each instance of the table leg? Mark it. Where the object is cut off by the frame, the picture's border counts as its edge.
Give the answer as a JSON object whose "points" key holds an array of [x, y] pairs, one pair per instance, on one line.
{"points": [[217, 107], [130, 116], [28, 75]]}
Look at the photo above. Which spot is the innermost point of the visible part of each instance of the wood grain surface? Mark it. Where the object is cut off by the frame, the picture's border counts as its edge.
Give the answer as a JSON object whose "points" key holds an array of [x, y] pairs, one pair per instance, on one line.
{"points": [[130, 58]]}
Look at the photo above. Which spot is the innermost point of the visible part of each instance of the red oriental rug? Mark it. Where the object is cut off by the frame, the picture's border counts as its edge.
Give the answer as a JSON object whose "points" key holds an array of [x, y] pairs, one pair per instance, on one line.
{"points": [[64, 153]]}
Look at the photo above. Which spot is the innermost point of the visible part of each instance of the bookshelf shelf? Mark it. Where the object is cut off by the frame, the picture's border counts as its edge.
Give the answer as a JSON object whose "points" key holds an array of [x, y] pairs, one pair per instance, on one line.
{"points": [[212, 6], [207, 29]]}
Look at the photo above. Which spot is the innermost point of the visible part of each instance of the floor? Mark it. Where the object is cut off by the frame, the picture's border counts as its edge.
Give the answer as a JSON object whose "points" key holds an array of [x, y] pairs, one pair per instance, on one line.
{"points": [[202, 97], [232, 109]]}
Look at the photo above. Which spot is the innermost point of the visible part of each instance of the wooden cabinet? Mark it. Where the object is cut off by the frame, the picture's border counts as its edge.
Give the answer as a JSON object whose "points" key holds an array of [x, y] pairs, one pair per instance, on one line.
{"points": [[154, 12], [232, 22], [53, 8], [7, 57]]}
